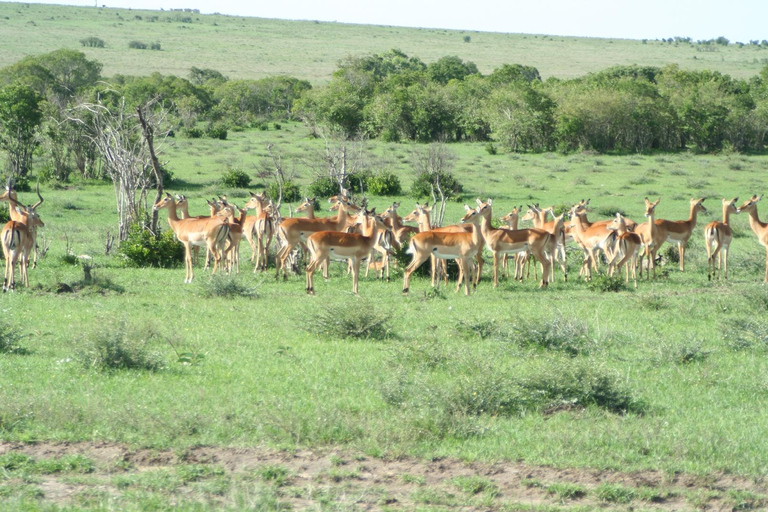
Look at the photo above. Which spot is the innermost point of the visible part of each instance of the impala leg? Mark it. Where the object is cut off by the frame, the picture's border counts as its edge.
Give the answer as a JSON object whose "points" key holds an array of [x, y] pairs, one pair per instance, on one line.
{"points": [[681, 253], [725, 261], [495, 269], [765, 279], [355, 274], [415, 263]]}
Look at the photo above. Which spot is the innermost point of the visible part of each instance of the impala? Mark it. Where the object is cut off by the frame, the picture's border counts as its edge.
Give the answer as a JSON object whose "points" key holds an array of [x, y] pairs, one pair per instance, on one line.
{"points": [[760, 228], [235, 224], [211, 233], [590, 238], [717, 238], [18, 239], [400, 232], [353, 247], [297, 229], [261, 226], [19, 213], [447, 245], [537, 242], [625, 248]]}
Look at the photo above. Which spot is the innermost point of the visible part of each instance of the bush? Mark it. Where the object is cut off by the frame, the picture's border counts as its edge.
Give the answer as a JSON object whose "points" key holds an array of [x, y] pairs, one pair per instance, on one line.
{"points": [[92, 42], [422, 185], [143, 249], [9, 338], [323, 186], [567, 335], [155, 46], [137, 45], [118, 346], [384, 184], [228, 287], [216, 131], [604, 283], [235, 178], [193, 132], [291, 192], [359, 320]]}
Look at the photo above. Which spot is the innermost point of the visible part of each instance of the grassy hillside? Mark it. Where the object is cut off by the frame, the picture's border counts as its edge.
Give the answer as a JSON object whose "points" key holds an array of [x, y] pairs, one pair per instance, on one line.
{"points": [[255, 48]]}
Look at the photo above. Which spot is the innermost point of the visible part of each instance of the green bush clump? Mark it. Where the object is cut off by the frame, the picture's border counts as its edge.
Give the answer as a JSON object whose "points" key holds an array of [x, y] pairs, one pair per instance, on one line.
{"points": [[604, 283], [216, 131], [345, 320], [155, 46], [291, 192], [193, 132], [384, 184], [228, 287], [117, 345], [137, 45], [235, 178], [9, 338], [423, 185], [323, 186], [92, 42], [143, 249]]}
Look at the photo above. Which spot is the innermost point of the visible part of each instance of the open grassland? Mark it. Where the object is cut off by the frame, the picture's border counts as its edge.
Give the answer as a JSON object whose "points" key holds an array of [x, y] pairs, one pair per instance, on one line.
{"points": [[254, 48], [671, 377]]}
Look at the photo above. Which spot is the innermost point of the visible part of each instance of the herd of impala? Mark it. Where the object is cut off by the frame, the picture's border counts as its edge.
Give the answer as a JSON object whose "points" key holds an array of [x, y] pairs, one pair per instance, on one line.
{"points": [[354, 234]]}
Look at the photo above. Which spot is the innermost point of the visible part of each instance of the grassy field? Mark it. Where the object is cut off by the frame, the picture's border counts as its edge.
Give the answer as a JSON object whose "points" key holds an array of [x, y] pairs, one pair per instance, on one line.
{"points": [[672, 377], [514, 398], [256, 48]]}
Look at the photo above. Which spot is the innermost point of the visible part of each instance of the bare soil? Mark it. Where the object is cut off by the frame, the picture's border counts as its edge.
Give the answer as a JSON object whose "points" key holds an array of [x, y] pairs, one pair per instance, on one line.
{"points": [[354, 481]]}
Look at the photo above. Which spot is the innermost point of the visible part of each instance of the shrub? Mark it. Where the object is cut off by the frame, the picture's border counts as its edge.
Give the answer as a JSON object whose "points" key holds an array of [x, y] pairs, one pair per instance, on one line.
{"points": [[92, 42], [604, 283], [155, 46], [490, 148], [143, 249], [567, 335], [349, 320], [9, 338], [116, 345], [235, 178], [384, 184], [323, 186], [216, 131], [137, 45], [422, 185], [291, 192], [228, 287]]}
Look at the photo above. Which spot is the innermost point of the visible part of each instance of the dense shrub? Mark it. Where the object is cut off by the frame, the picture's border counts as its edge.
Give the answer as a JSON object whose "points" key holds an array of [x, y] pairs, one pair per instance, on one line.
{"points": [[216, 131], [143, 249], [235, 178], [9, 338], [384, 184], [228, 287], [193, 132], [349, 320], [155, 46], [423, 184], [291, 192], [137, 45], [92, 42], [116, 345]]}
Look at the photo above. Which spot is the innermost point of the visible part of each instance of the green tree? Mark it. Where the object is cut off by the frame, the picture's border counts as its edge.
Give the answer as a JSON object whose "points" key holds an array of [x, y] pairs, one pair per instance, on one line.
{"points": [[20, 116], [522, 118], [450, 68]]}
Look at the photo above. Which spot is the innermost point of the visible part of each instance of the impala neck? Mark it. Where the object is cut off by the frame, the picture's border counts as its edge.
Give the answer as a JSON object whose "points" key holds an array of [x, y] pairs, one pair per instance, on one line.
{"points": [[694, 212], [485, 225], [478, 236], [341, 218], [513, 223], [542, 218], [754, 221], [424, 224], [173, 218], [726, 213], [310, 209], [395, 220]]}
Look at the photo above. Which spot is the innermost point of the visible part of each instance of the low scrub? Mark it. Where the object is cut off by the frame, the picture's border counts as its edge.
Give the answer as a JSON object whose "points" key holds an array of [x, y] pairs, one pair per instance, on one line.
{"points": [[235, 178], [118, 345], [10, 337], [228, 287], [143, 249], [358, 319]]}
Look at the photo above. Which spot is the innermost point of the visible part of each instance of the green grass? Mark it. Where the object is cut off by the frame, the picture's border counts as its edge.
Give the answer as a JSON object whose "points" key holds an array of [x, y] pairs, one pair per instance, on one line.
{"points": [[242, 47]]}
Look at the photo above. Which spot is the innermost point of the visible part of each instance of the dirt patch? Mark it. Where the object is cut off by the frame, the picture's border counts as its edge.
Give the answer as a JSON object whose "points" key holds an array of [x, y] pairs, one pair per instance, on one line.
{"points": [[308, 479]]}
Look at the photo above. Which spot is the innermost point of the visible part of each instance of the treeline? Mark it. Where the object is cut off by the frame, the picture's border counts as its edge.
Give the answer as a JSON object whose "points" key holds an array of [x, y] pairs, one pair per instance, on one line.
{"points": [[627, 108], [393, 97]]}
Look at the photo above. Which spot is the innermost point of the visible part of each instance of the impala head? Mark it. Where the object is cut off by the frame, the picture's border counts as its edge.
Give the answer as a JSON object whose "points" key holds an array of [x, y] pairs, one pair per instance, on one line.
{"points": [[650, 207], [730, 205], [166, 202], [416, 214], [617, 224], [698, 204], [751, 204], [472, 215], [511, 216], [9, 194], [255, 201], [485, 208], [531, 213], [307, 204]]}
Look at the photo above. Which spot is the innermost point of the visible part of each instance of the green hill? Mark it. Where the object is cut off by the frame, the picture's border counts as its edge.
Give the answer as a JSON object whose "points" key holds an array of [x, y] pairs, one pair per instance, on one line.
{"points": [[242, 47]]}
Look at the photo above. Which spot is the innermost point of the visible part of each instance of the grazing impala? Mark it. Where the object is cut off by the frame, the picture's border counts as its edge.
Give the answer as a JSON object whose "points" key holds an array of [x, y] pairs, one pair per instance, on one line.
{"points": [[19, 213], [447, 245], [211, 233], [18, 239], [759, 228], [352, 247], [717, 238]]}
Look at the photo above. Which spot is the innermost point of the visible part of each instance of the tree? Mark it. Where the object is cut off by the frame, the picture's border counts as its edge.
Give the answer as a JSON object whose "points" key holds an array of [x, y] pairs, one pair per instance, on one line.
{"points": [[20, 116], [450, 68], [522, 118], [433, 166]]}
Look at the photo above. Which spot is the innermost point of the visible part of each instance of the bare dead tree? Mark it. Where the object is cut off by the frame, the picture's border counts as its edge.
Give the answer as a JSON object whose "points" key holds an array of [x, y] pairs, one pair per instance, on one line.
{"points": [[273, 168], [340, 158], [118, 137], [149, 135], [436, 163]]}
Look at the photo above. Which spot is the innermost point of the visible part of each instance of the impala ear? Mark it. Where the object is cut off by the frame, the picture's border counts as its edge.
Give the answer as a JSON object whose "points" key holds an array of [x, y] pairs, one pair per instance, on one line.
{"points": [[478, 201], [466, 207], [490, 201]]}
